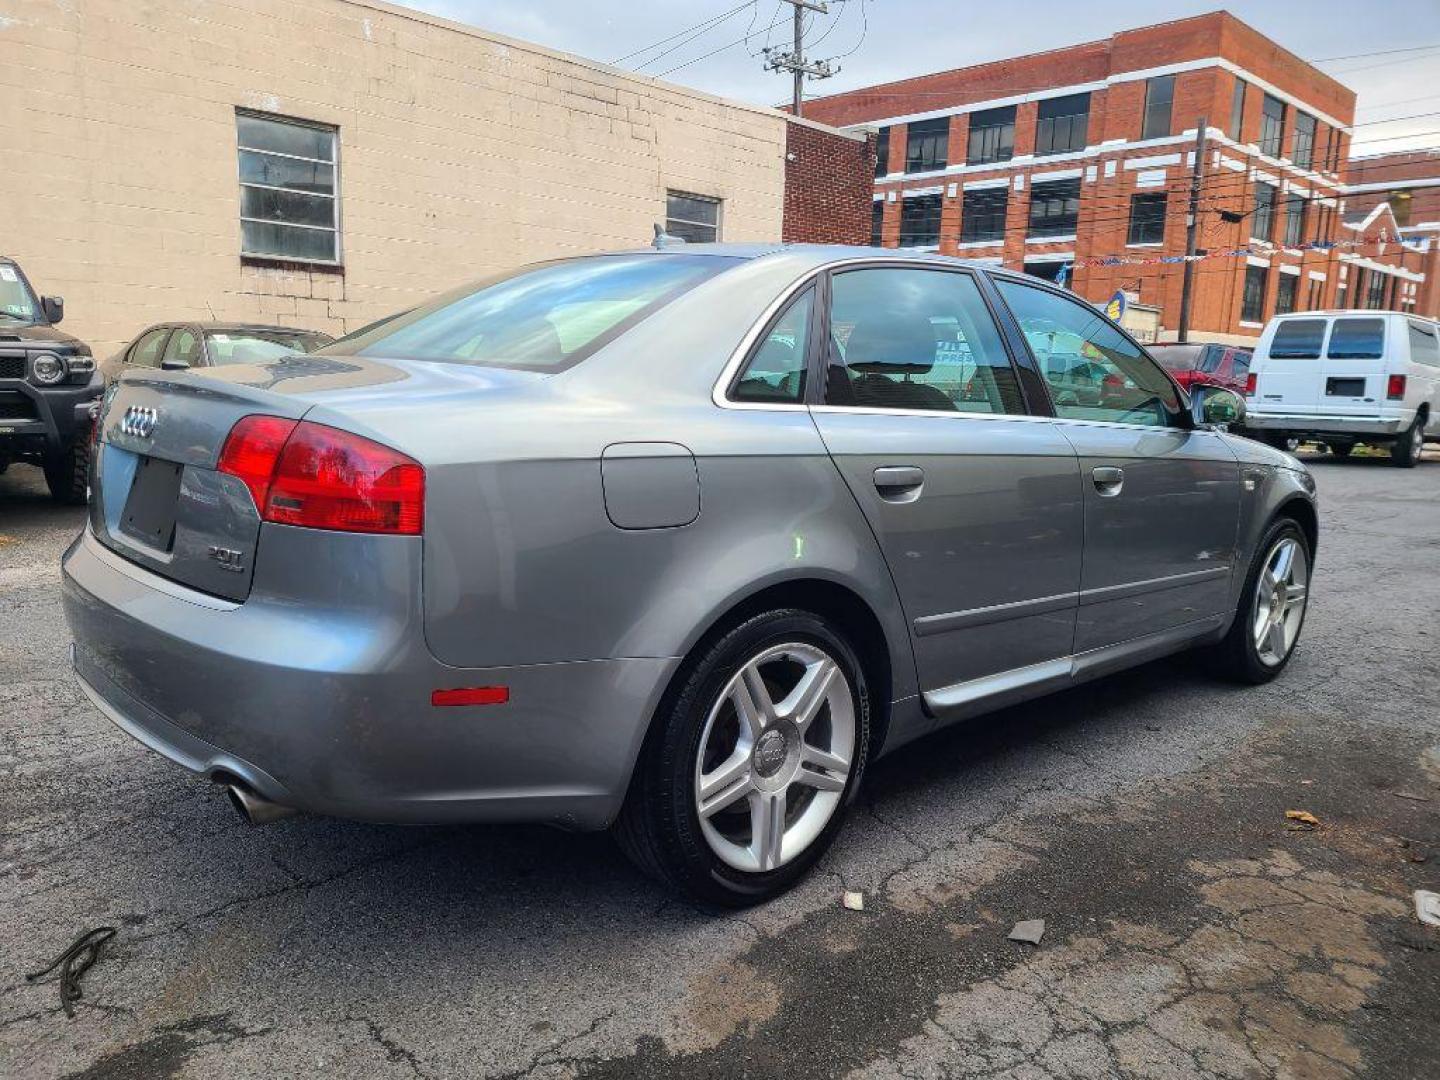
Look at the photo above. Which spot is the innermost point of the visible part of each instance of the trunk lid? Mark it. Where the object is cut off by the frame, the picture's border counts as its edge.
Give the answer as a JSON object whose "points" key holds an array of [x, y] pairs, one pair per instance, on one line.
{"points": [[158, 499]]}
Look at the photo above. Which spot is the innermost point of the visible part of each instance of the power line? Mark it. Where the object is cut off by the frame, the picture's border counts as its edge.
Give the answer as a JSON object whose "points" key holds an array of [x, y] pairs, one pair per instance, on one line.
{"points": [[713, 20], [1382, 52], [722, 48]]}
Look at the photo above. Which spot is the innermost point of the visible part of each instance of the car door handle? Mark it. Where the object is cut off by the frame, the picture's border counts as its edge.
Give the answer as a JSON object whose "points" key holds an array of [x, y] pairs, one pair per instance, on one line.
{"points": [[1108, 480], [899, 483]]}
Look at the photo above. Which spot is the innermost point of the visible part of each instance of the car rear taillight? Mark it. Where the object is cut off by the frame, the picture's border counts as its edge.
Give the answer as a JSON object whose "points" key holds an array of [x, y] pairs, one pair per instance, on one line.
{"points": [[320, 477], [1250, 381], [1395, 387]]}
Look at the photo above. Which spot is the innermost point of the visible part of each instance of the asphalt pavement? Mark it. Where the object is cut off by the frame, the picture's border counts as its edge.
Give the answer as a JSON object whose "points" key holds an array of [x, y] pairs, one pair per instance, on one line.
{"points": [[1191, 928]]}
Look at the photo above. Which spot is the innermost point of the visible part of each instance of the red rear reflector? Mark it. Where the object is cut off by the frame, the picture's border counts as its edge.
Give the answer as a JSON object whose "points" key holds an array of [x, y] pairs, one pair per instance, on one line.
{"points": [[471, 695], [1395, 388], [320, 477], [1250, 381], [251, 451]]}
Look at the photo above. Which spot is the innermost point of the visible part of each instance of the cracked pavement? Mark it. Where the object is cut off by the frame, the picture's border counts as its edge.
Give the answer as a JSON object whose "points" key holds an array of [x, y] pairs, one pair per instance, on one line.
{"points": [[1191, 931]]}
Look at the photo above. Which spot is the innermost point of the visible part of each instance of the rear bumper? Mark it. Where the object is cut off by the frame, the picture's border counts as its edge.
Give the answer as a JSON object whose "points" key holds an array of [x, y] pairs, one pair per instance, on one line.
{"points": [[327, 709], [1319, 424]]}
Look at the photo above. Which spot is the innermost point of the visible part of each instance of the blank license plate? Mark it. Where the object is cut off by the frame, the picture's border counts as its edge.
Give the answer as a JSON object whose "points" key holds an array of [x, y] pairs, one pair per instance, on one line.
{"points": [[150, 507], [1345, 387]]}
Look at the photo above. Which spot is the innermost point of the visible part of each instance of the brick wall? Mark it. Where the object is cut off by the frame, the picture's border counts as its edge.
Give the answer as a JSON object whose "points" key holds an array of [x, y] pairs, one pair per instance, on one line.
{"points": [[829, 183]]}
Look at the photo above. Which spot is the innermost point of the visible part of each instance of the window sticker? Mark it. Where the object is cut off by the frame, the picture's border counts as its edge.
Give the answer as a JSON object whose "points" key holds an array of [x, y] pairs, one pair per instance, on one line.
{"points": [[7, 273]]}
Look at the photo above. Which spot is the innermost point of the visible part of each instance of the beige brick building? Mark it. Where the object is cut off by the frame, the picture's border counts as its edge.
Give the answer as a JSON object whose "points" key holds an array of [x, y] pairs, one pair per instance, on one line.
{"points": [[396, 154]]}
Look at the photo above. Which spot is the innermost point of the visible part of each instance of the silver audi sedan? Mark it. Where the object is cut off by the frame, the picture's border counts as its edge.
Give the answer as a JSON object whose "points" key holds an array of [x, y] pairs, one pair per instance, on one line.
{"points": [[671, 541]]}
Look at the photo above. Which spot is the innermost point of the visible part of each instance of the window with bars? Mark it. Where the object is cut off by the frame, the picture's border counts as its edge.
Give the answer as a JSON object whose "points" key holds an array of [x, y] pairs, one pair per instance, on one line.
{"points": [[1316, 295], [920, 221], [877, 222], [1147, 218], [1062, 124], [927, 144], [1159, 97], [1285, 294], [1272, 126], [1252, 297], [1237, 110], [982, 215], [992, 136], [693, 218], [1375, 290], [1054, 208], [1302, 153], [1262, 217], [289, 189], [1294, 231], [882, 152]]}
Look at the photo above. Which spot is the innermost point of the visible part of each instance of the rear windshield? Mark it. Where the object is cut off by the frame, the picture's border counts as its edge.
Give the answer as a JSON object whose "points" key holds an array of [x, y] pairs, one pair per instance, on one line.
{"points": [[1299, 339], [253, 347], [544, 317], [1178, 358], [1356, 339]]}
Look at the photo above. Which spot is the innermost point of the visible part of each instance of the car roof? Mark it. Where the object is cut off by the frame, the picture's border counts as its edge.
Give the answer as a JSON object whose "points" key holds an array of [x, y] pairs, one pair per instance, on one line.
{"points": [[210, 326], [816, 255]]}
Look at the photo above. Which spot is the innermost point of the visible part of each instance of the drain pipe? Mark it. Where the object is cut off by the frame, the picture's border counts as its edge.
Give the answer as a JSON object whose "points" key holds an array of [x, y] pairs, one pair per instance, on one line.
{"points": [[254, 808]]}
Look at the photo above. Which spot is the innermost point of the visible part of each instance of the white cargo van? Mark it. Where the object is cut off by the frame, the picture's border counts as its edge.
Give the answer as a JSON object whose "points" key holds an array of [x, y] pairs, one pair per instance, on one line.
{"points": [[1347, 377]]}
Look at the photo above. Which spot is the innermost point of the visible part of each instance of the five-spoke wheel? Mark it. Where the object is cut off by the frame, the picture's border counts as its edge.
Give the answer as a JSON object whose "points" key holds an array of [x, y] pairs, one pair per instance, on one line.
{"points": [[1279, 607]]}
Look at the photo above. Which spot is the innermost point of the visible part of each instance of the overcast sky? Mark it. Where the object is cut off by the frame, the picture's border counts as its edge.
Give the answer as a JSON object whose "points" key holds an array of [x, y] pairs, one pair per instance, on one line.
{"points": [[889, 39]]}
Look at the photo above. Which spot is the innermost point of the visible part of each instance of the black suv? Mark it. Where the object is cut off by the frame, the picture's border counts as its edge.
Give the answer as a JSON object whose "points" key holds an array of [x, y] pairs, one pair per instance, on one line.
{"points": [[48, 382]]}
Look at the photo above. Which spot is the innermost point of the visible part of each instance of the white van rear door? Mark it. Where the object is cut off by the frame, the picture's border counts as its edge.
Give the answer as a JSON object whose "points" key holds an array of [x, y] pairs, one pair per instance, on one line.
{"points": [[1288, 371], [1354, 369]]}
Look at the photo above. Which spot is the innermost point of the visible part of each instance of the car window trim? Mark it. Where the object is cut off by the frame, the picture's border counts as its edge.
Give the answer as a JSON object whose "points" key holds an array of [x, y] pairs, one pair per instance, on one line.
{"points": [[166, 330], [977, 275], [1187, 422]]}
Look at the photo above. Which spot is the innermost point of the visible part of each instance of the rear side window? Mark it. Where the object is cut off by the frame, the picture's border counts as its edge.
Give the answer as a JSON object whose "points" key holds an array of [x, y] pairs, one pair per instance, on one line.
{"points": [[1356, 339], [1424, 344], [1300, 339], [916, 339], [240, 347], [545, 317], [776, 371]]}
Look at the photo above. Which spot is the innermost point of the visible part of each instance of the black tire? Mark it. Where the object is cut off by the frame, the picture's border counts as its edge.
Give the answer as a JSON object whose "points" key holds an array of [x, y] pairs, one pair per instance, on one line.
{"points": [[1405, 451], [659, 827], [1237, 657], [67, 474], [1340, 449], [1280, 441]]}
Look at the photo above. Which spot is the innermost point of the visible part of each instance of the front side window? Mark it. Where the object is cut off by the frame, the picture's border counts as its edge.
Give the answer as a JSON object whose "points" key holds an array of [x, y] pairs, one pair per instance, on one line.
{"points": [[926, 144], [1272, 126], [693, 218], [1262, 216], [289, 190], [1357, 339], [1303, 152], [17, 302], [1147, 218], [146, 351], [1055, 208], [1093, 370], [1252, 296], [1237, 110], [916, 339], [882, 152], [544, 317], [920, 221], [1298, 339], [1159, 97], [1062, 124], [982, 215], [775, 372], [1285, 294], [992, 136]]}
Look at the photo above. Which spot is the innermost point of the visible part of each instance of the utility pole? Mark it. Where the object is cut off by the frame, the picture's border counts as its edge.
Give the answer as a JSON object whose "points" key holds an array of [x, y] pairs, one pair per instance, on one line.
{"points": [[794, 62], [1192, 228]]}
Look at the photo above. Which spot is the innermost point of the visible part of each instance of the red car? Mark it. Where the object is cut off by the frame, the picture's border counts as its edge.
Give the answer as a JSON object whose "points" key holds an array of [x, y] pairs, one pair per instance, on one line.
{"points": [[1226, 365]]}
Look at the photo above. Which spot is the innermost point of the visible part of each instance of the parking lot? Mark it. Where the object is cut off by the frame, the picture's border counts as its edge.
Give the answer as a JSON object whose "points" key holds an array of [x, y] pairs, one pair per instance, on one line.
{"points": [[1191, 929]]}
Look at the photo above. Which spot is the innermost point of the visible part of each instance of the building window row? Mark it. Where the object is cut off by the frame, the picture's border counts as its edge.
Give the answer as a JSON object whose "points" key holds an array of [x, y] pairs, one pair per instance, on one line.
{"points": [[1062, 124], [1055, 208], [920, 221], [982, 215], [927, 145], [992, 136]]}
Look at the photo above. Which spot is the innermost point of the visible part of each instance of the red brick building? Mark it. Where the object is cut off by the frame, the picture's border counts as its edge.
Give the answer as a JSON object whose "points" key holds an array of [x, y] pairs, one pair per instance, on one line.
{"points": [[1077, 164], [1407, 185]]}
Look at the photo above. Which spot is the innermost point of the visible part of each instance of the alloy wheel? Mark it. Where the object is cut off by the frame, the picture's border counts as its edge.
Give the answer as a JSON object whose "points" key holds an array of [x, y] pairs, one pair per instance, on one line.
{"points": [[1280, 595], [775, 756]]}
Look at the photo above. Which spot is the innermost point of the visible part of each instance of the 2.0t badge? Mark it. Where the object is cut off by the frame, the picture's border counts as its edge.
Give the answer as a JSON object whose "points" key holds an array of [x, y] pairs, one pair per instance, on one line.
{"points": [[139, 421]]}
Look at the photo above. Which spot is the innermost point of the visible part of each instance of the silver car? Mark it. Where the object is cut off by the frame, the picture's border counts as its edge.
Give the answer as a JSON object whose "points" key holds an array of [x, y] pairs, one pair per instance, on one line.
{"points": [[672, 541]]}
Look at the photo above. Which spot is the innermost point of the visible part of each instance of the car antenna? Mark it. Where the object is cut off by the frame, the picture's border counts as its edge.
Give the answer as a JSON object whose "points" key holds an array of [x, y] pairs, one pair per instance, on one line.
{"points": [[663, 239]]}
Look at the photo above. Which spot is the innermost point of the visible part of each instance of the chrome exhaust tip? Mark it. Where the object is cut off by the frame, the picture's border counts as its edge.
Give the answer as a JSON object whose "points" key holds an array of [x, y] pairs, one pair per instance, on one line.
{"points": [[255, 809]]}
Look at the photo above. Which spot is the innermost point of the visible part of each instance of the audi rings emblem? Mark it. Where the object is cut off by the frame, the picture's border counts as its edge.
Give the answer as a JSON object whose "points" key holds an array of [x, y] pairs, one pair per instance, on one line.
{"points": [[138, 421]]}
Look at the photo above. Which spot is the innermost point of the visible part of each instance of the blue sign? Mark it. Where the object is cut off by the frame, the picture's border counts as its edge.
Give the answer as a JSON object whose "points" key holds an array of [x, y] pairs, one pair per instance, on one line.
{"points": [[1115, 308]]}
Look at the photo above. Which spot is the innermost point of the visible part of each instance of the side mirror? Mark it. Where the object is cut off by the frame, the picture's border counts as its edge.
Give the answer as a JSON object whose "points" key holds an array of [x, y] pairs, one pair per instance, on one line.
{"points": [[53, 307], [174, 364], [1216, 407]]}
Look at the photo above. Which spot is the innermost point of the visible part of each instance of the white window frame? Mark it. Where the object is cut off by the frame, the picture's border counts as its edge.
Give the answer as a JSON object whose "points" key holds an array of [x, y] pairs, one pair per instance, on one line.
{"points": [[334, 197]]}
